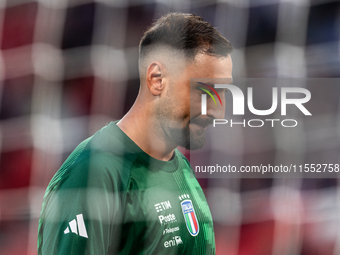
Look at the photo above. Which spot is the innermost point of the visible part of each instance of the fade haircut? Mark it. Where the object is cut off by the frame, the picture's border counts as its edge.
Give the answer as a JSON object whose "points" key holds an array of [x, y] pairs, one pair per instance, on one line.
{"points": [[187, 33]]}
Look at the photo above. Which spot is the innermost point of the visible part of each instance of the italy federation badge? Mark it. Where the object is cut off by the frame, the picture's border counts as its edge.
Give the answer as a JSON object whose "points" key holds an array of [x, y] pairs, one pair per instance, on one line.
{"points": [[190, 217]]}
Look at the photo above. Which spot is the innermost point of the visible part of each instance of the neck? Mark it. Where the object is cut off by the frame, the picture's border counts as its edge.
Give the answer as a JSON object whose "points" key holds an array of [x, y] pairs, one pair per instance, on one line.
{"points": [[141, 128]]}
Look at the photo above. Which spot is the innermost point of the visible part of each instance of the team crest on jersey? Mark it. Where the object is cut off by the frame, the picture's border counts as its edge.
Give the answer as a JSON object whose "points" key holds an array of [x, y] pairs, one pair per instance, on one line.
{"points": [[190, 217]]}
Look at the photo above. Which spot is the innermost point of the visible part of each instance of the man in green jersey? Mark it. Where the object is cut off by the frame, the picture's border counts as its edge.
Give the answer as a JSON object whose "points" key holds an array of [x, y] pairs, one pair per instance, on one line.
{"points": [[127, 189]]}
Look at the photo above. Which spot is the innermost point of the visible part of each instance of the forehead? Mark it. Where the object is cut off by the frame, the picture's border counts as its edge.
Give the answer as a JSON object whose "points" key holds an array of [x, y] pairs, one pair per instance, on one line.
{"points": [[209, 66]]}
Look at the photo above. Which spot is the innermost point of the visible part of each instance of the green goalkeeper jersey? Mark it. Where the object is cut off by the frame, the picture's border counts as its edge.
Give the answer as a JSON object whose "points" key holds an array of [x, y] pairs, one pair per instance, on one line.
{"points": [[110, 197]]}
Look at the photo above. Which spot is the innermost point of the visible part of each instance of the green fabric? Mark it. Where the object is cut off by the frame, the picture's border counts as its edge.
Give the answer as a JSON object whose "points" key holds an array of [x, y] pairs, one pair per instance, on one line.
{"points": [[127, 202]]}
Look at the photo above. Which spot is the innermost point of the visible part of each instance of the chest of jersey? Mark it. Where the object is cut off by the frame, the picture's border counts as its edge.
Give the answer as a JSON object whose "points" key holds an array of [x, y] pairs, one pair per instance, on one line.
{"points": [[168, 213]]}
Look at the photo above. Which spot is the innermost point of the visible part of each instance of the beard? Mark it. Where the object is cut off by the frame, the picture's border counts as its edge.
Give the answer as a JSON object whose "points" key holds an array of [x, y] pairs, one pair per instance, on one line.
{"points": [[180, 128], [187, 139], [187, 136]]}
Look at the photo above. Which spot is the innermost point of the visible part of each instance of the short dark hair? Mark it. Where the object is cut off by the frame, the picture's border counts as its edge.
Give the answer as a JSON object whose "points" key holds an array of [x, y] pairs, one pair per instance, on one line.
{"points": [[186, 32]]}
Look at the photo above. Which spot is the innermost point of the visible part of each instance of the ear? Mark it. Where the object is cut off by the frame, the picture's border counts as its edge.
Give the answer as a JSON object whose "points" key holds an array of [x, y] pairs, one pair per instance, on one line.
{"points": [[155, 78]]}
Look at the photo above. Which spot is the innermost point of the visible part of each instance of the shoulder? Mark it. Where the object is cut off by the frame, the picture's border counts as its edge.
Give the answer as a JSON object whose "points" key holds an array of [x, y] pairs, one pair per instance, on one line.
{"points": [[102, 159], [181, 156]]}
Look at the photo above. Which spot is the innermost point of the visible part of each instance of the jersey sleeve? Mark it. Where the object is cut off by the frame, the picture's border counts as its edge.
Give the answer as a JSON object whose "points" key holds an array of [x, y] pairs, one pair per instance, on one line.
{"points": [[83, 214]]}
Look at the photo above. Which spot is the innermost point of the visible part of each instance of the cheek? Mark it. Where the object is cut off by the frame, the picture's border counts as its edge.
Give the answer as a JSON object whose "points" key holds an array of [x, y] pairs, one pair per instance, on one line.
{"points": [[177, 109], [195, 98], [184, 109]]}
